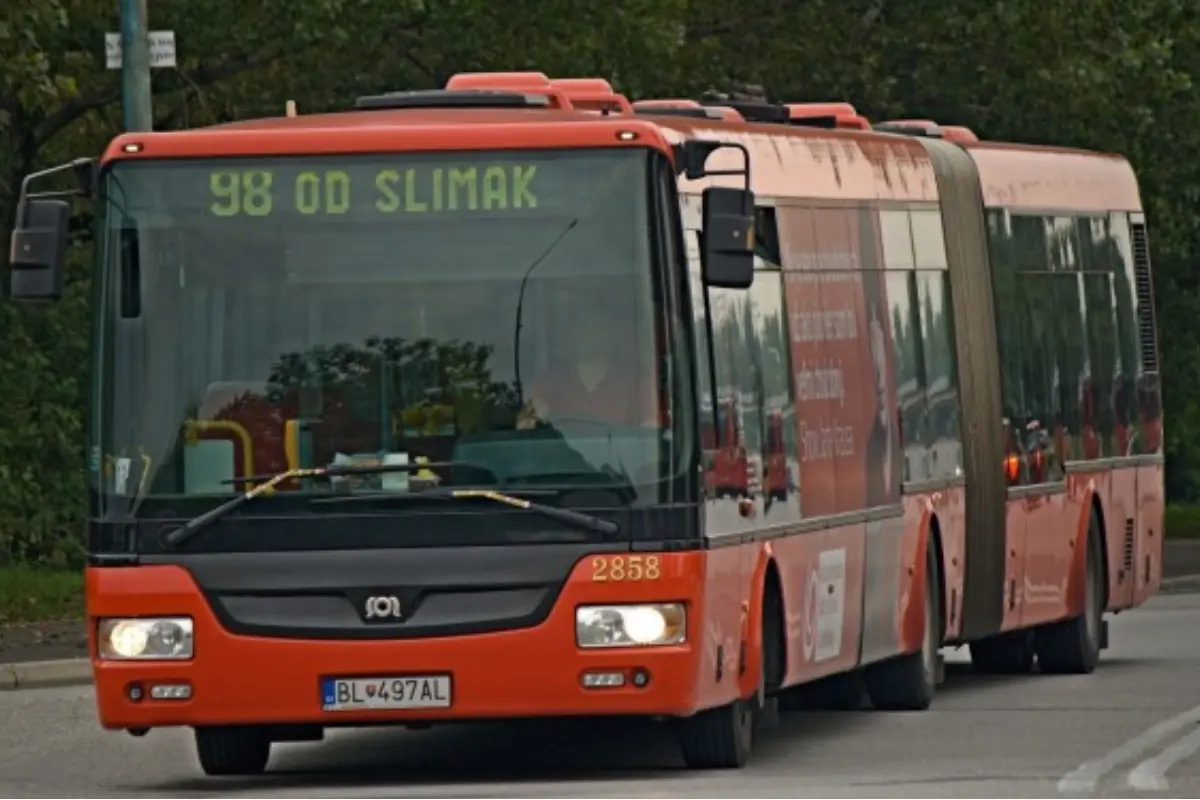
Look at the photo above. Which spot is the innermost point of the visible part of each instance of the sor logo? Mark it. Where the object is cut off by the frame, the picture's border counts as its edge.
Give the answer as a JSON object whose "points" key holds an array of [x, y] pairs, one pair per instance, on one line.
{"points": [[382, 608]]}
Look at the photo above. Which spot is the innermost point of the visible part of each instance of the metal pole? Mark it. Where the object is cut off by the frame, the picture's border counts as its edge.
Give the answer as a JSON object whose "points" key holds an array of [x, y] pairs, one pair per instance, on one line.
{"points": [[135, 66]]}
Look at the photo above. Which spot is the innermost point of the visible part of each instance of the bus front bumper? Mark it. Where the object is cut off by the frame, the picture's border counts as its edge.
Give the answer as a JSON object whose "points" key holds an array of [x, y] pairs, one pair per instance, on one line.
{"points": [[245, 680]]}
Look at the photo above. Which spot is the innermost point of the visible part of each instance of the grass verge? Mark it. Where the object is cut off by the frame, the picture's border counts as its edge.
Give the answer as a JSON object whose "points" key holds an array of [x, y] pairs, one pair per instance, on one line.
{"points": [[1182, 521], [37, 595]]}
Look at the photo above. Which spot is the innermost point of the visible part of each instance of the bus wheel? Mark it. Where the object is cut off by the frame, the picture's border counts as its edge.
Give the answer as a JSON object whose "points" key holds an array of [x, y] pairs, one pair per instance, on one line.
{"points": [[719, 738], [722, 737], [1073, 646], [233, 751], [1004, 654], [908, 682]]}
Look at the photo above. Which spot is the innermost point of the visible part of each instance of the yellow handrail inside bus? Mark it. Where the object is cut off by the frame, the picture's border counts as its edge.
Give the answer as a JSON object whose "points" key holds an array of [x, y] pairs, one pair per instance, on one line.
{"points": [[193, 427], [291, 443]]}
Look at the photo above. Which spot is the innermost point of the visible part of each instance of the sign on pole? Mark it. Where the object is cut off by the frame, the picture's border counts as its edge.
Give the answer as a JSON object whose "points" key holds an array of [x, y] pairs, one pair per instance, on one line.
{"points": [[162, 50]]}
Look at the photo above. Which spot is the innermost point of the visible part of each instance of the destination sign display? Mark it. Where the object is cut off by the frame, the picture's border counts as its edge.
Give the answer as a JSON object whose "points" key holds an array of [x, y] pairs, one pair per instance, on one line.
{"points": [[261, 191], [382, 187]]}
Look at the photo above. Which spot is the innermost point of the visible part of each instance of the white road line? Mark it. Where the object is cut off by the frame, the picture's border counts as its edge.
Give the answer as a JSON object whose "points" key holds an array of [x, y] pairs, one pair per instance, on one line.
{"points": [[1085, 777], [1151, 774]]}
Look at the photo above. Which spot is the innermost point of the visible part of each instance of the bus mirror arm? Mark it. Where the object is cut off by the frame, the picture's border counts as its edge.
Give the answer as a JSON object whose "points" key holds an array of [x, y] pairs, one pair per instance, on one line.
{"points": [[691, 159], [83, 170]]}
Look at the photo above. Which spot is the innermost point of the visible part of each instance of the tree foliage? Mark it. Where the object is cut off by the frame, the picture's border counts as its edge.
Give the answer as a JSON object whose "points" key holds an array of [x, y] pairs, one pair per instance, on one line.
{"points": [[1093, 73]]}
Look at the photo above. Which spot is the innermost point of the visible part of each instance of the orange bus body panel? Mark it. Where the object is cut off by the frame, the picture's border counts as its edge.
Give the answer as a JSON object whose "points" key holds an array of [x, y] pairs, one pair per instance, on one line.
{"points": [[343, 134]]}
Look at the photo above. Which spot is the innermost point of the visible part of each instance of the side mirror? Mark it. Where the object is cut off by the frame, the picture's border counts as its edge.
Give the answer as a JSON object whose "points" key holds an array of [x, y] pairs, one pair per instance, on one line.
{"points": [[38, 250], [727, 256]]}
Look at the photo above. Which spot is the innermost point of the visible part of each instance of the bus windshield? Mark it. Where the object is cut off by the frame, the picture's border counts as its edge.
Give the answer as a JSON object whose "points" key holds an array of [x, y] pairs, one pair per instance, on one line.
{"points": [[489, 314]]}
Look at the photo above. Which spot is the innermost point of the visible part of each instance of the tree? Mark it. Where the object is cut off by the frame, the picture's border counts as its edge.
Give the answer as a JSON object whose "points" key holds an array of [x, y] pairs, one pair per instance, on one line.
{"points": [[1091, 73]]}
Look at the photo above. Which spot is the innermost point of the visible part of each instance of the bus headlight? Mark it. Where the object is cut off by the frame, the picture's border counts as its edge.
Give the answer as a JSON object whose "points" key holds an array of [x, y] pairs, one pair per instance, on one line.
{"points": [[643, 625], [145, 638]]}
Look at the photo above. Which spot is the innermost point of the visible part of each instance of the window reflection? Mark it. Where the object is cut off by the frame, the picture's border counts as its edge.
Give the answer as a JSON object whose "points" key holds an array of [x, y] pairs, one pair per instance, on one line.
{"points": [[909, 373], [1069, 347], [1010, 323], [944, 436], [1100, 406], [928, 242], [896, 234], [1129, 361], [300, 340]]}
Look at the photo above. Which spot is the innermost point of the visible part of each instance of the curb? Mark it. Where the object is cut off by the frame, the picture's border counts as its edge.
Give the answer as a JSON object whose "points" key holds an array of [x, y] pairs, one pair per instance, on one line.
{"points": [[1180, 584], [46, 674]]}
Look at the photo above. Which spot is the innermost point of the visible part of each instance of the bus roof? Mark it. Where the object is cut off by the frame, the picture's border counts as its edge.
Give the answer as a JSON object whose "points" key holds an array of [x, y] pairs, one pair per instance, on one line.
{"points": [[799, 150], [392, 131], [1040, 178]]}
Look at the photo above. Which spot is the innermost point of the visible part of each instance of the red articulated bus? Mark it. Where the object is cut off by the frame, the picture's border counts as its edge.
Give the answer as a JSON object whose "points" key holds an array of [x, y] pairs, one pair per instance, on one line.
{"points": [[925, 334]]}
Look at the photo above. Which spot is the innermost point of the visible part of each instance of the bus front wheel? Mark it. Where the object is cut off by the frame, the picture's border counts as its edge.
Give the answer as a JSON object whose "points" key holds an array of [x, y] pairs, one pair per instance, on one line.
{"points": [[718, 738], [233, 751]]}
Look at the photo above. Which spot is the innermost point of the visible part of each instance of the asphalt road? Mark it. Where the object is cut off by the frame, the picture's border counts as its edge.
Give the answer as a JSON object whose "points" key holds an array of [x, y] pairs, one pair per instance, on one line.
{"points": [[1132, 728]]}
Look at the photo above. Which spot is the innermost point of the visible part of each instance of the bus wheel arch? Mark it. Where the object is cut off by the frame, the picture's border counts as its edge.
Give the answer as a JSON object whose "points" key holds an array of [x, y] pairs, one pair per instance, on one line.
{"points": [[1102, 544], [774, 631], [723, 737], [939, 559]]}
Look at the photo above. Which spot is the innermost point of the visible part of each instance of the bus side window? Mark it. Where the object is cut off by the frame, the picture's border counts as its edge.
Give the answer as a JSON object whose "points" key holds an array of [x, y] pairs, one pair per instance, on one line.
{"points": [[1010, 328], [943, 432]]}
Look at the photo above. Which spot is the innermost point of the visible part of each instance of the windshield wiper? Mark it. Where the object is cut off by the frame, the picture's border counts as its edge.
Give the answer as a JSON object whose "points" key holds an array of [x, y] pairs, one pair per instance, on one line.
{"points": [[265, 483], [585, 521]]}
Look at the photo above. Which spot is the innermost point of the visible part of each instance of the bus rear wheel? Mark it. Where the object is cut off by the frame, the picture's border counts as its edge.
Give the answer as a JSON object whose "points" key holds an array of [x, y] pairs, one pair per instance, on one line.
{"points": [[1072, 647], [908, 682], [233, 751]]}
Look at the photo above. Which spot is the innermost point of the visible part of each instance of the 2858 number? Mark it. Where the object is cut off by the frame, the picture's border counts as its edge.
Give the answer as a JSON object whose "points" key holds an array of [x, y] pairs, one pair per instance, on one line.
{"points": [[625, 568]]}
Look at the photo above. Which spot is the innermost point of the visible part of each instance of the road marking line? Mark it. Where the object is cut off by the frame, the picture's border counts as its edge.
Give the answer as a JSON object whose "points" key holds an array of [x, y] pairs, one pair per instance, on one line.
{"points": [[1151, 774], [1085, 777]]}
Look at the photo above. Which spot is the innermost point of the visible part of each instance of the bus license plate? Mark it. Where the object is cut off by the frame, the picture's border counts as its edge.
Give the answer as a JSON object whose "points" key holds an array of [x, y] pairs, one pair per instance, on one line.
{"points": [[400, 692]]}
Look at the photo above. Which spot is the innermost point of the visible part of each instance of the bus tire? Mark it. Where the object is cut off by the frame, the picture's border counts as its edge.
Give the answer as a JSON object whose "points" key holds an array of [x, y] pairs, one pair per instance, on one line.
{"points": [[233, 751], [723, 737], [908, 682], [1009, 653], [1072, 646], [718, 738]]}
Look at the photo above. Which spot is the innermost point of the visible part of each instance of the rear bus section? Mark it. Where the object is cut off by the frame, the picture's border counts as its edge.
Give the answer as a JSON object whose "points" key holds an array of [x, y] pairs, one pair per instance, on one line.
{"points": [[1081, 422], [962, 339]]}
